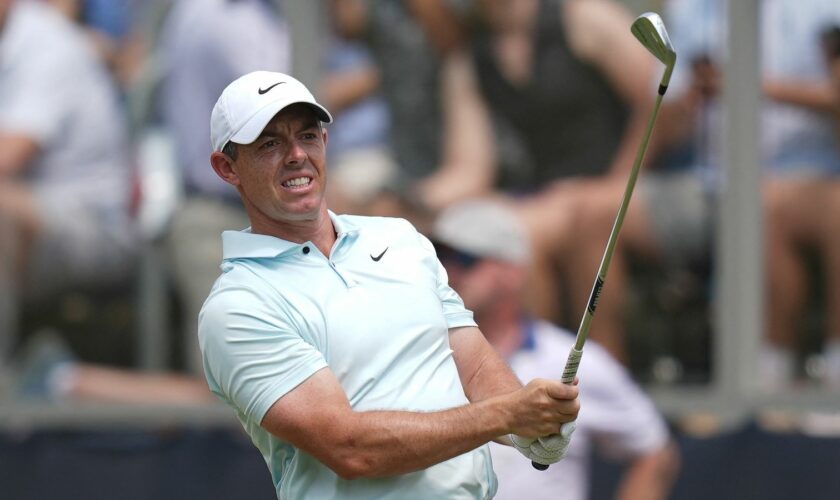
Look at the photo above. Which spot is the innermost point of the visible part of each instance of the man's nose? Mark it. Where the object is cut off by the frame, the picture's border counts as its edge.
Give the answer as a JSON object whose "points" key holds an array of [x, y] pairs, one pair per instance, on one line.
{"points": [[296, 154]]}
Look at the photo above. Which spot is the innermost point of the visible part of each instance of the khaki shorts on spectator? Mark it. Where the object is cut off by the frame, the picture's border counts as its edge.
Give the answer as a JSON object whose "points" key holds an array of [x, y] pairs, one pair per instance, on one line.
{"points": [[194, 246], [79, 246]]}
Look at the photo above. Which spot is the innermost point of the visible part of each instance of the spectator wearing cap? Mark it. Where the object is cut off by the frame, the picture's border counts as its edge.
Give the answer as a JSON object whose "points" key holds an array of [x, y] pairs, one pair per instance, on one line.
{"points": [[485, 250], [567, 89]]}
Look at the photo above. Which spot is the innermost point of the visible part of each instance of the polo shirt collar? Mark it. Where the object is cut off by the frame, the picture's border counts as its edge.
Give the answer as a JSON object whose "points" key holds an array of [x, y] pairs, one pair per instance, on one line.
{"points": [[247, 245], [343, 225]]}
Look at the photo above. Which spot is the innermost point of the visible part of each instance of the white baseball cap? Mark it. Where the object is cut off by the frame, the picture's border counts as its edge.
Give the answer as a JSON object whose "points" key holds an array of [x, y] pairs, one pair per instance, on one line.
{"points": [[248, 103], [484, 228]]}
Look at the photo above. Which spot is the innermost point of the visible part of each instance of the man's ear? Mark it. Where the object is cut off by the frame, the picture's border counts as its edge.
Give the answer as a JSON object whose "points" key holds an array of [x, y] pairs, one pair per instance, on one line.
{"points": [[223, 166], [325, 134]]}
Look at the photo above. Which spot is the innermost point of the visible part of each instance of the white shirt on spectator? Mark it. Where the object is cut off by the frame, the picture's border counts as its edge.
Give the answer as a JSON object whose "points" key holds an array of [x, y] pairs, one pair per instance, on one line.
{"points": [[55, 90]]}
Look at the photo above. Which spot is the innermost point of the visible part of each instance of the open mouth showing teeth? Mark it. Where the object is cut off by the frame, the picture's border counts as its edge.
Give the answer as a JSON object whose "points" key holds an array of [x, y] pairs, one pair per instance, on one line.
{"points": [[297, 182]]}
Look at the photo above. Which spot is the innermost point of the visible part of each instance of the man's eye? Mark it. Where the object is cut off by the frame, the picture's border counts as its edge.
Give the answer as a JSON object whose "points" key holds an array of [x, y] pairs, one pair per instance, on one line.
{"points": [[268, 144]]}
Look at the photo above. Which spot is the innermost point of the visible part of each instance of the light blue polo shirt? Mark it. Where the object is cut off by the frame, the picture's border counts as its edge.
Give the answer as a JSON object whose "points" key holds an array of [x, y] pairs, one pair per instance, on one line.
{"points": [[377, 312]]}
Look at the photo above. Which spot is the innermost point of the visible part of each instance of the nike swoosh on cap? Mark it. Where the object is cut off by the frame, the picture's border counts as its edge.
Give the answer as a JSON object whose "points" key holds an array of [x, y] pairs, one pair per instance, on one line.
{"points": [[263, 91]]}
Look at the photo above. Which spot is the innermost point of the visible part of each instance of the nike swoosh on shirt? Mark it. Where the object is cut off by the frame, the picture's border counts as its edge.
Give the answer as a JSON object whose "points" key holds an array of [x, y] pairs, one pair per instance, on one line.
{"points": [[263, 91], [376, 259]]}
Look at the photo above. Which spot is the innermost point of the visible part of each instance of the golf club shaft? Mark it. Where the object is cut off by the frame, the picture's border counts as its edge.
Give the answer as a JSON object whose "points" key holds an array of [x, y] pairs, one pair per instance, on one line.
{"points": [[586, 321], [573, 361]]}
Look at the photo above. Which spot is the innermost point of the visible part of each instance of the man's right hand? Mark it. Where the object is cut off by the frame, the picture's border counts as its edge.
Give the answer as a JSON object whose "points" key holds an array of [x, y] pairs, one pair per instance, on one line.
{"points": [[542, 407], [545, 420]]}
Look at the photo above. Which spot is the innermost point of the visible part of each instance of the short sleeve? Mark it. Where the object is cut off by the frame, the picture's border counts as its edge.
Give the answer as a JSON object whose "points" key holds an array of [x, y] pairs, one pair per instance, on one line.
{"points": [[453, 307], [251, 352], [621, 419]]}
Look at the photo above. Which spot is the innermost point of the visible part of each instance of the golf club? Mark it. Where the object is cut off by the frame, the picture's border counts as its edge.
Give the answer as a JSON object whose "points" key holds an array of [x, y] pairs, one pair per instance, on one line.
{"points": [[649, 29]]}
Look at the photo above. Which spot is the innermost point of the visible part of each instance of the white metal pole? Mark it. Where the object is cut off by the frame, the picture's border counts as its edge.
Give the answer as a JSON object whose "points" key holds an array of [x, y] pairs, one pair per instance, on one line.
{"points": [[740, 252], [308, 27]]}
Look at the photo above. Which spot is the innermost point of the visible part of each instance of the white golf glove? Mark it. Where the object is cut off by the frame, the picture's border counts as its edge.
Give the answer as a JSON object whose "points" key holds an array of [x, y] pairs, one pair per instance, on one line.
{"points": [[547, 449]]}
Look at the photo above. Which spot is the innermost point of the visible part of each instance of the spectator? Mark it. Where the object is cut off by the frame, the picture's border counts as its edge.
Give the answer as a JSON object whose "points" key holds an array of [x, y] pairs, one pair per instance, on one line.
{"points": [[361, 159], [427, 132], [409, 63], [459, 162], [799, 153], [573, 86], [484, 248], [206, 44], [671, 216], [50, 368], [107, 23], [64, 172]]}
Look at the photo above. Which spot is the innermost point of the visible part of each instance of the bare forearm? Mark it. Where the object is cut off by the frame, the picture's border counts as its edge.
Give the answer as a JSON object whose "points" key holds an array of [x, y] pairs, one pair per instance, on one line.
{"points": [[400, 442], [467, 168], [817, 96], [317, 418], [386, 443], [453, 183]]}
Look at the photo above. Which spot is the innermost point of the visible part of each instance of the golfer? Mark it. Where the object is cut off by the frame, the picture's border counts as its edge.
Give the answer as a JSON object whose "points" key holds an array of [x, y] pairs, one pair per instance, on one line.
{"points": [[348, 359]]}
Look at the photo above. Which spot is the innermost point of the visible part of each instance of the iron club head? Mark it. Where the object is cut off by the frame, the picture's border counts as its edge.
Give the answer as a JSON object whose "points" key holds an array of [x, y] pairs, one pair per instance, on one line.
{"points": [[649, 29]]}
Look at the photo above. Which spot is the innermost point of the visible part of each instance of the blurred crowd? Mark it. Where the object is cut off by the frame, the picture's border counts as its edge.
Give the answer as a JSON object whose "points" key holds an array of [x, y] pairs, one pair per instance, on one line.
{"points": [[538, 105]]}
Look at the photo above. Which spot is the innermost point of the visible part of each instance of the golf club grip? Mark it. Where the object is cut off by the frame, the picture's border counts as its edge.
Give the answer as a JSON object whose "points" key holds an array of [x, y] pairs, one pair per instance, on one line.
{"points": [[569, 373], [572, 364]]}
